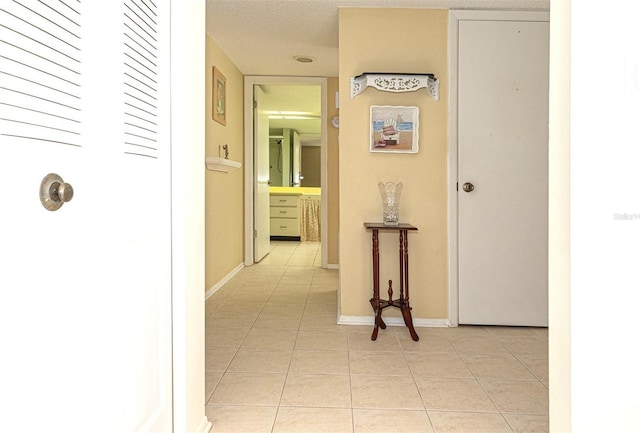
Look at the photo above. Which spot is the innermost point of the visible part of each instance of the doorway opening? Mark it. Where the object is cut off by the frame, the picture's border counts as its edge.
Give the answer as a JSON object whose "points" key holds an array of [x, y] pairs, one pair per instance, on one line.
{"points": [[285, 159]]}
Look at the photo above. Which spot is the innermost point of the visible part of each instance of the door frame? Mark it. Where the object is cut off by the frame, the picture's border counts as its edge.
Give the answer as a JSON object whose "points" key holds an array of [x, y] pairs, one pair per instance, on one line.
{"points": [[188, 21], [455, 16], [249, 172]]}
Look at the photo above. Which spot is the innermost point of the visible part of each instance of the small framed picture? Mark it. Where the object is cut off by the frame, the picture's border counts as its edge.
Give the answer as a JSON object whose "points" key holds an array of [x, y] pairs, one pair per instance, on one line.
{"points": [[394, 129], [219, 97]]}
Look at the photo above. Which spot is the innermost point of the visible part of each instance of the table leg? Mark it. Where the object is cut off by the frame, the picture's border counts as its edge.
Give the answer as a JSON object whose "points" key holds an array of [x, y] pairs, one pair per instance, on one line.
{"points": [[404, 284], [404, 266], [375, 301], [401, 251], [408, 321], [378, 322]]}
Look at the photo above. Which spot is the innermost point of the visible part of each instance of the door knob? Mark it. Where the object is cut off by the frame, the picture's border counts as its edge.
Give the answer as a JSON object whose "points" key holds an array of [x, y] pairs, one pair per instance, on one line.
{"points": [[54, 192], [468, 187]]}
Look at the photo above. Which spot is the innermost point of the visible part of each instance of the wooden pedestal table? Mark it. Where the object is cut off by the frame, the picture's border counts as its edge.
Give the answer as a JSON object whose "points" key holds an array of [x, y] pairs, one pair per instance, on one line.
{"points": [[403, 301]]}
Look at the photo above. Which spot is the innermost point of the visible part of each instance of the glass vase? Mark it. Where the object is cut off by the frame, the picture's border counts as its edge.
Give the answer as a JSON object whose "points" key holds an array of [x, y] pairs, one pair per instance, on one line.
{"points": [[390, 193]]}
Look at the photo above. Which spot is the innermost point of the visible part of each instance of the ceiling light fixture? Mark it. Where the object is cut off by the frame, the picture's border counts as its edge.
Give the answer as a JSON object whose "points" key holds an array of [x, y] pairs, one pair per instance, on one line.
{"points": [[294, 115], [304, 59]]}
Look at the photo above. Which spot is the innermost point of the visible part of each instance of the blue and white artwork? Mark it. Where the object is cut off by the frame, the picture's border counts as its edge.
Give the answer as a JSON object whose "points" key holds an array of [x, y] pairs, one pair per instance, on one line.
{"points": [[394, 129]]}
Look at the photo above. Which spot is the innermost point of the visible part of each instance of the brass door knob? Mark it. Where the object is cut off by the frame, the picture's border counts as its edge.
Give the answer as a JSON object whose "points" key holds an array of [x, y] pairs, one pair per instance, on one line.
{"points": [[468, 187], [54, 192]]}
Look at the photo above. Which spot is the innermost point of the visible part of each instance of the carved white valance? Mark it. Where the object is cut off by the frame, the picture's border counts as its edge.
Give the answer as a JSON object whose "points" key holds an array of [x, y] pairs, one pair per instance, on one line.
{"points": [[389, 82]]}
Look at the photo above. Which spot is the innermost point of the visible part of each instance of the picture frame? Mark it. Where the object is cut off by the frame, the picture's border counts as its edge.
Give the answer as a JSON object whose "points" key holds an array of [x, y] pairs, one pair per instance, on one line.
{"points": [[219, 97], [394, 129]]}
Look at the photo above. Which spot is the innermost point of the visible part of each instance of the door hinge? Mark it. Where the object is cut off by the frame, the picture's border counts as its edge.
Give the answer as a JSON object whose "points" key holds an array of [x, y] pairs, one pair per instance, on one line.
{"points": [[456, 186], [255, 104], [255, 234]]}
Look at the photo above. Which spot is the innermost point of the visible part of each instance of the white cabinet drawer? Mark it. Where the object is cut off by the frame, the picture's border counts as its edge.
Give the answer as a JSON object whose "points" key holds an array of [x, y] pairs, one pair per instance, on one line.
{"points": [[284, 215], [283, 200], [283, 212], [285, 227]]}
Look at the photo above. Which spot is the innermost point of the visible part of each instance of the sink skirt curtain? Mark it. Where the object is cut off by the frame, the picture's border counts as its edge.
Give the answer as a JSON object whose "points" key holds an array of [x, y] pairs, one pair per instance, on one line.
{"points": [[309, 218]]}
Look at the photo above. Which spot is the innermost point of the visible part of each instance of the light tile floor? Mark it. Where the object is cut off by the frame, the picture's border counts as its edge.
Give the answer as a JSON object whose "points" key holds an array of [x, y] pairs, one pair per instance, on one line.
{"points": [[277, 362]]}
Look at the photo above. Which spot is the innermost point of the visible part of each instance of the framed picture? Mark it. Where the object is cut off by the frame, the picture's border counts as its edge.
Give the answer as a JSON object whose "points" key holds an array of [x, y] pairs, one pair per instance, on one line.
{"points": [[219, 97], [394, 129]]}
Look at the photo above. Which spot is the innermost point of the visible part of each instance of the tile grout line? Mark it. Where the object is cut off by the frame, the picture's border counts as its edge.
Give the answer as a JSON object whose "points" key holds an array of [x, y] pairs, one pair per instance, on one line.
{"points": [[526, 366], [286, 376], [226, 370], [413, 376], [477, 379], [353, 417]]}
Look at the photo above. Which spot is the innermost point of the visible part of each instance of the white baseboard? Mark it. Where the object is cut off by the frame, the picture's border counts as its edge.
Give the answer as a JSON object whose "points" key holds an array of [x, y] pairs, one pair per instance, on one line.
{"points": [[205, 426], [223, 281], [333, 266], [393, 321]]}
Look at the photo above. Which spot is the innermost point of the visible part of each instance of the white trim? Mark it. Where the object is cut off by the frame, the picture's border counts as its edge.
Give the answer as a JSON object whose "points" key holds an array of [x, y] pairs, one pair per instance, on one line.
{"points": [[205, 426], [452, 155], [187, 214], [393, 321], [249, 82], [324, 212], [455, 16], [333, 266], [248, 172], [217, 286], [488, 15]]}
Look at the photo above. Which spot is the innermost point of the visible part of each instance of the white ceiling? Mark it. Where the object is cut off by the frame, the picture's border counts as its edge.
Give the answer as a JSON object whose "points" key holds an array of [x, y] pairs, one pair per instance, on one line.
{"points": [[261, 37]]}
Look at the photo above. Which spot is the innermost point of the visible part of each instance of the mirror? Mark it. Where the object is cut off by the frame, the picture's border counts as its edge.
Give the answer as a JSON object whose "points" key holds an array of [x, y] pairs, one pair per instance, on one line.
{"points": [[294, 133]]}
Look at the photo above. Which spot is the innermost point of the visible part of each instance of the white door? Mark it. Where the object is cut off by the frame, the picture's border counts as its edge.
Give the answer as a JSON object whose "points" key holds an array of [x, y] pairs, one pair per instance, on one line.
{"points": [[502, 151], [85, 295], [262, 229], [296, 166]]}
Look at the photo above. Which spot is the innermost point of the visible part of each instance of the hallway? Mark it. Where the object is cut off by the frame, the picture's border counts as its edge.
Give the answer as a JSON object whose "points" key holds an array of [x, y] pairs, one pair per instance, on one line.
{"points": [[277, 362]]}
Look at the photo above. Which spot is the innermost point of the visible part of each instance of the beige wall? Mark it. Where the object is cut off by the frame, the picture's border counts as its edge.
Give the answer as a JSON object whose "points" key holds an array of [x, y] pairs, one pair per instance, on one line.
{"points": [[394, 40], [333, 176], [224, 191]]}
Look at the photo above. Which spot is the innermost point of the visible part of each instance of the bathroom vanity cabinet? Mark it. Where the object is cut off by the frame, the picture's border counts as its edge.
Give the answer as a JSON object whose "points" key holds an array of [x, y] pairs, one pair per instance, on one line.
{"points": [[284, 210]]}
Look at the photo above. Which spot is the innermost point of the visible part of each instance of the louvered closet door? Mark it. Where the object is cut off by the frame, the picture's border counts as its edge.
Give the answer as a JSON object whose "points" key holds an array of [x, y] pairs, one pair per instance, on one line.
{"points": [[85, 295]]}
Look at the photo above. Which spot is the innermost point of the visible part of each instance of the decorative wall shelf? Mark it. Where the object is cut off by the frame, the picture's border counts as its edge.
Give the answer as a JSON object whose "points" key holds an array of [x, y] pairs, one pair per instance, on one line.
{"points": [[222, 164], [390, 82]]}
